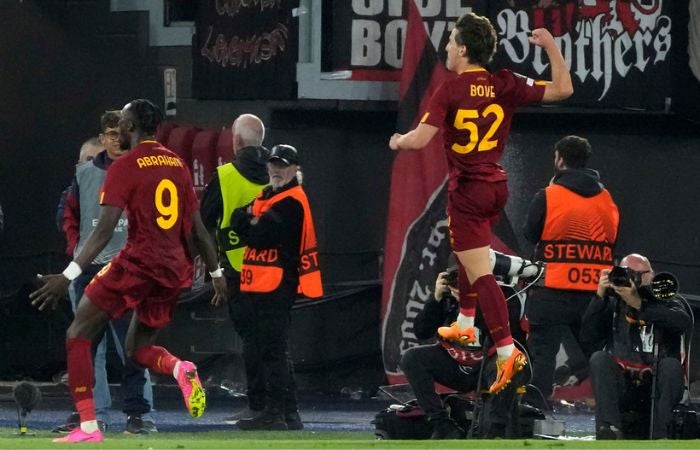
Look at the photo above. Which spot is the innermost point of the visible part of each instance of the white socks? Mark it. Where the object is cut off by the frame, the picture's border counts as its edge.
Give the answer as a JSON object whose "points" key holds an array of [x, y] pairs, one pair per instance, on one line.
{"points": [[505, 351], [89, 426], [465, 321], [175, 369]]}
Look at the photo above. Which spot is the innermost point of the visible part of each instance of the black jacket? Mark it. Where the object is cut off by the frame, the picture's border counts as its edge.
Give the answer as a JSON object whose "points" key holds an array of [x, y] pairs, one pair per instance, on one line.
{"points": [[280, 227], [250, 162], [435, 314], [610, 324], [585, 182]]}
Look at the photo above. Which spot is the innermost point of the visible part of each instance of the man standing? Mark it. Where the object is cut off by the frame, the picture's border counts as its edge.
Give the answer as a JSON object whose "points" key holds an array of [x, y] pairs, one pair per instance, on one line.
{"points": [[81, 209], [232, 186], [474, 109], [574, 223], [280, 260], [155, 188]]}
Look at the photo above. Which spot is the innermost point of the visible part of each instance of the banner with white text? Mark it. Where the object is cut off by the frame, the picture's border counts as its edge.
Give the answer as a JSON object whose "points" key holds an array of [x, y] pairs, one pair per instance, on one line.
{"points": [[616, 49]]}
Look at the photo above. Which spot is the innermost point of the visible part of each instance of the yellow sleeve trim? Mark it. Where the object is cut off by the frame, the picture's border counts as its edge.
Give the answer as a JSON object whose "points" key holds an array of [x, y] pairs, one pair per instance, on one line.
{"points": [[425, 117], [540, 83]]}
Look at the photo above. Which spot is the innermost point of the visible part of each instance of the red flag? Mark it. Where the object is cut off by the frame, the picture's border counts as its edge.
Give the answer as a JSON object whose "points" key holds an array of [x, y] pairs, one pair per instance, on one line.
{"points": [[416, 182]]}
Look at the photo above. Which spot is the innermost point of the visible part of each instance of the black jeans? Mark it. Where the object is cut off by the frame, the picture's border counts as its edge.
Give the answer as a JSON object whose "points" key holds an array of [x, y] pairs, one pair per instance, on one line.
{"points": [[133, 375], [426, 364], [554, 318], [617, 396], [263, 324]]}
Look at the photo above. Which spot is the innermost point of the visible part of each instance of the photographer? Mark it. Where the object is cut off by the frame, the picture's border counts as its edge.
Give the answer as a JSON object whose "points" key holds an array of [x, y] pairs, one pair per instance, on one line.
{"points": [[453, 365], [627, 319]]}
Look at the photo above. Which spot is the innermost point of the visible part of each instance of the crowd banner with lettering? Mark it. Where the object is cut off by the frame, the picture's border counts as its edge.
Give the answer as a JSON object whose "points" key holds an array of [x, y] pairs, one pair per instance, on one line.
{"points": [[616, 49], [245, 50], [417, 241]]}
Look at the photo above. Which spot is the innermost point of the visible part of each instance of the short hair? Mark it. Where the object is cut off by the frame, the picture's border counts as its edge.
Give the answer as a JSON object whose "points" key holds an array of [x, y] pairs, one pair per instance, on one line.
{"points": [[478, 35], [92, 142], [574, 150], [147, 116], [250, 129], [110, 119]]}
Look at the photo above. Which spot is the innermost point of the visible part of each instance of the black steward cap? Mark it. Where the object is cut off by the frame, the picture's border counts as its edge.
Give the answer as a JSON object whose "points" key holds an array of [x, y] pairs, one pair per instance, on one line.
{"points": [[285, 153]]}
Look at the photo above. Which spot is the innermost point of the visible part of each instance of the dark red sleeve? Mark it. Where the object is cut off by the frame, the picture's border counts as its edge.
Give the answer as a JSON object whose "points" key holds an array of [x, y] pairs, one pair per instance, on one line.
{"points": [[117, 186], [191, 195], [438, 107], [523, 90]]}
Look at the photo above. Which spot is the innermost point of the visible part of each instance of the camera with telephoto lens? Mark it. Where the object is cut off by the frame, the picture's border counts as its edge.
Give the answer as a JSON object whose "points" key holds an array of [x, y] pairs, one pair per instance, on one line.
{"points": [[662, 287]]}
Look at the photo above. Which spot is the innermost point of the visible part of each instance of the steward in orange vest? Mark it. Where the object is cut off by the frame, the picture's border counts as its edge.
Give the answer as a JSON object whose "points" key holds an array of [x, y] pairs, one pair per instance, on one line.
{"points": [[574, 222], [280, 260], [264, 268], [578, 238]]}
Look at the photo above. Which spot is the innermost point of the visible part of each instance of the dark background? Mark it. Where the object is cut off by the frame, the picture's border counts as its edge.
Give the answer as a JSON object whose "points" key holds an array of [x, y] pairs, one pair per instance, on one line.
{"points": [[62, 63]]}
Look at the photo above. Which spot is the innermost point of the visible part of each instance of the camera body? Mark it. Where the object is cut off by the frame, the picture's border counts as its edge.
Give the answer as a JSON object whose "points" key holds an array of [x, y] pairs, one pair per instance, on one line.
{"points": [[452, 277], [623, 276]]}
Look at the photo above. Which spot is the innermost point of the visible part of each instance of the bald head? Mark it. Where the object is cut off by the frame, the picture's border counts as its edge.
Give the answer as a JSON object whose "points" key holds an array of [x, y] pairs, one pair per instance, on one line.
{"points": [[639, 263], [248, 131]]}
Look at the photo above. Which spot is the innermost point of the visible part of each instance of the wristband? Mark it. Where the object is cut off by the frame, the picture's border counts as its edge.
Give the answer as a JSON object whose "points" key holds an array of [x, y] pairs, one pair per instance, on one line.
{"points": [[72, 271], [218, 273]]}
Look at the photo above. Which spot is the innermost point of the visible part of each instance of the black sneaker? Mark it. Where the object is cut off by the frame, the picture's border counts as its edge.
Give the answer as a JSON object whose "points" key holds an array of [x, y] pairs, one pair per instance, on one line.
{"points": [[136, 425], [245, 413], [102, 426], [150, 426], [293, 420], [266, 421], [608, 433], [446, 429], [71, 423]]}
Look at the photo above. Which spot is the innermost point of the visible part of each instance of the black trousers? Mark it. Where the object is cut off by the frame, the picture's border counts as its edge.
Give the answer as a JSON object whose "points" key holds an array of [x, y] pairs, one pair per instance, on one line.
{"points": [[263, 325], [426, 364], [554, 318], [626, 405]]}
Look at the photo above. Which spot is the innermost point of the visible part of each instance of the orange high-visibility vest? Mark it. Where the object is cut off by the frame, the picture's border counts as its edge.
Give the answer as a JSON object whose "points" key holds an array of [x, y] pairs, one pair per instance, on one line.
{"points": [[578, 238], [262, 269]]}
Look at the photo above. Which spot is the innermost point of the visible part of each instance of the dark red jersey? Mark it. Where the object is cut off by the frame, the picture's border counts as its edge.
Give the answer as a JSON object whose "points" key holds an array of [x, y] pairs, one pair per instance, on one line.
{"points": [[475, 110], [155, 188]]}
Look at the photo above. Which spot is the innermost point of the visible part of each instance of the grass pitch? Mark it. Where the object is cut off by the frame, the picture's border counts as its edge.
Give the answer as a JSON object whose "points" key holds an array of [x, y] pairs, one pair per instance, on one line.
{"points": [[326, 440]]}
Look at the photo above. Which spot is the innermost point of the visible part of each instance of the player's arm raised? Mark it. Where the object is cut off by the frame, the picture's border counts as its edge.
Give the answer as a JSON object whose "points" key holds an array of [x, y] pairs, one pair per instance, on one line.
{"points": [[56, 285], [561, 86], [202, 240]]}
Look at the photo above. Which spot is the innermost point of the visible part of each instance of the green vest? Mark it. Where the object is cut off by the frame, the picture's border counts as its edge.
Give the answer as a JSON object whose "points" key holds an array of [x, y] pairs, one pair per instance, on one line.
{"points": [[236, 191]]}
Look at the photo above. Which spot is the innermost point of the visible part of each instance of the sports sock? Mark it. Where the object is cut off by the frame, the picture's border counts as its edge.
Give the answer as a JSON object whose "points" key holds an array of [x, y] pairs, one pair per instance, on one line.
{"points": [[494, 309], [155, 358], [467, 301], [464, 320], [505, 351], [90, 426], [81, 376]]}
